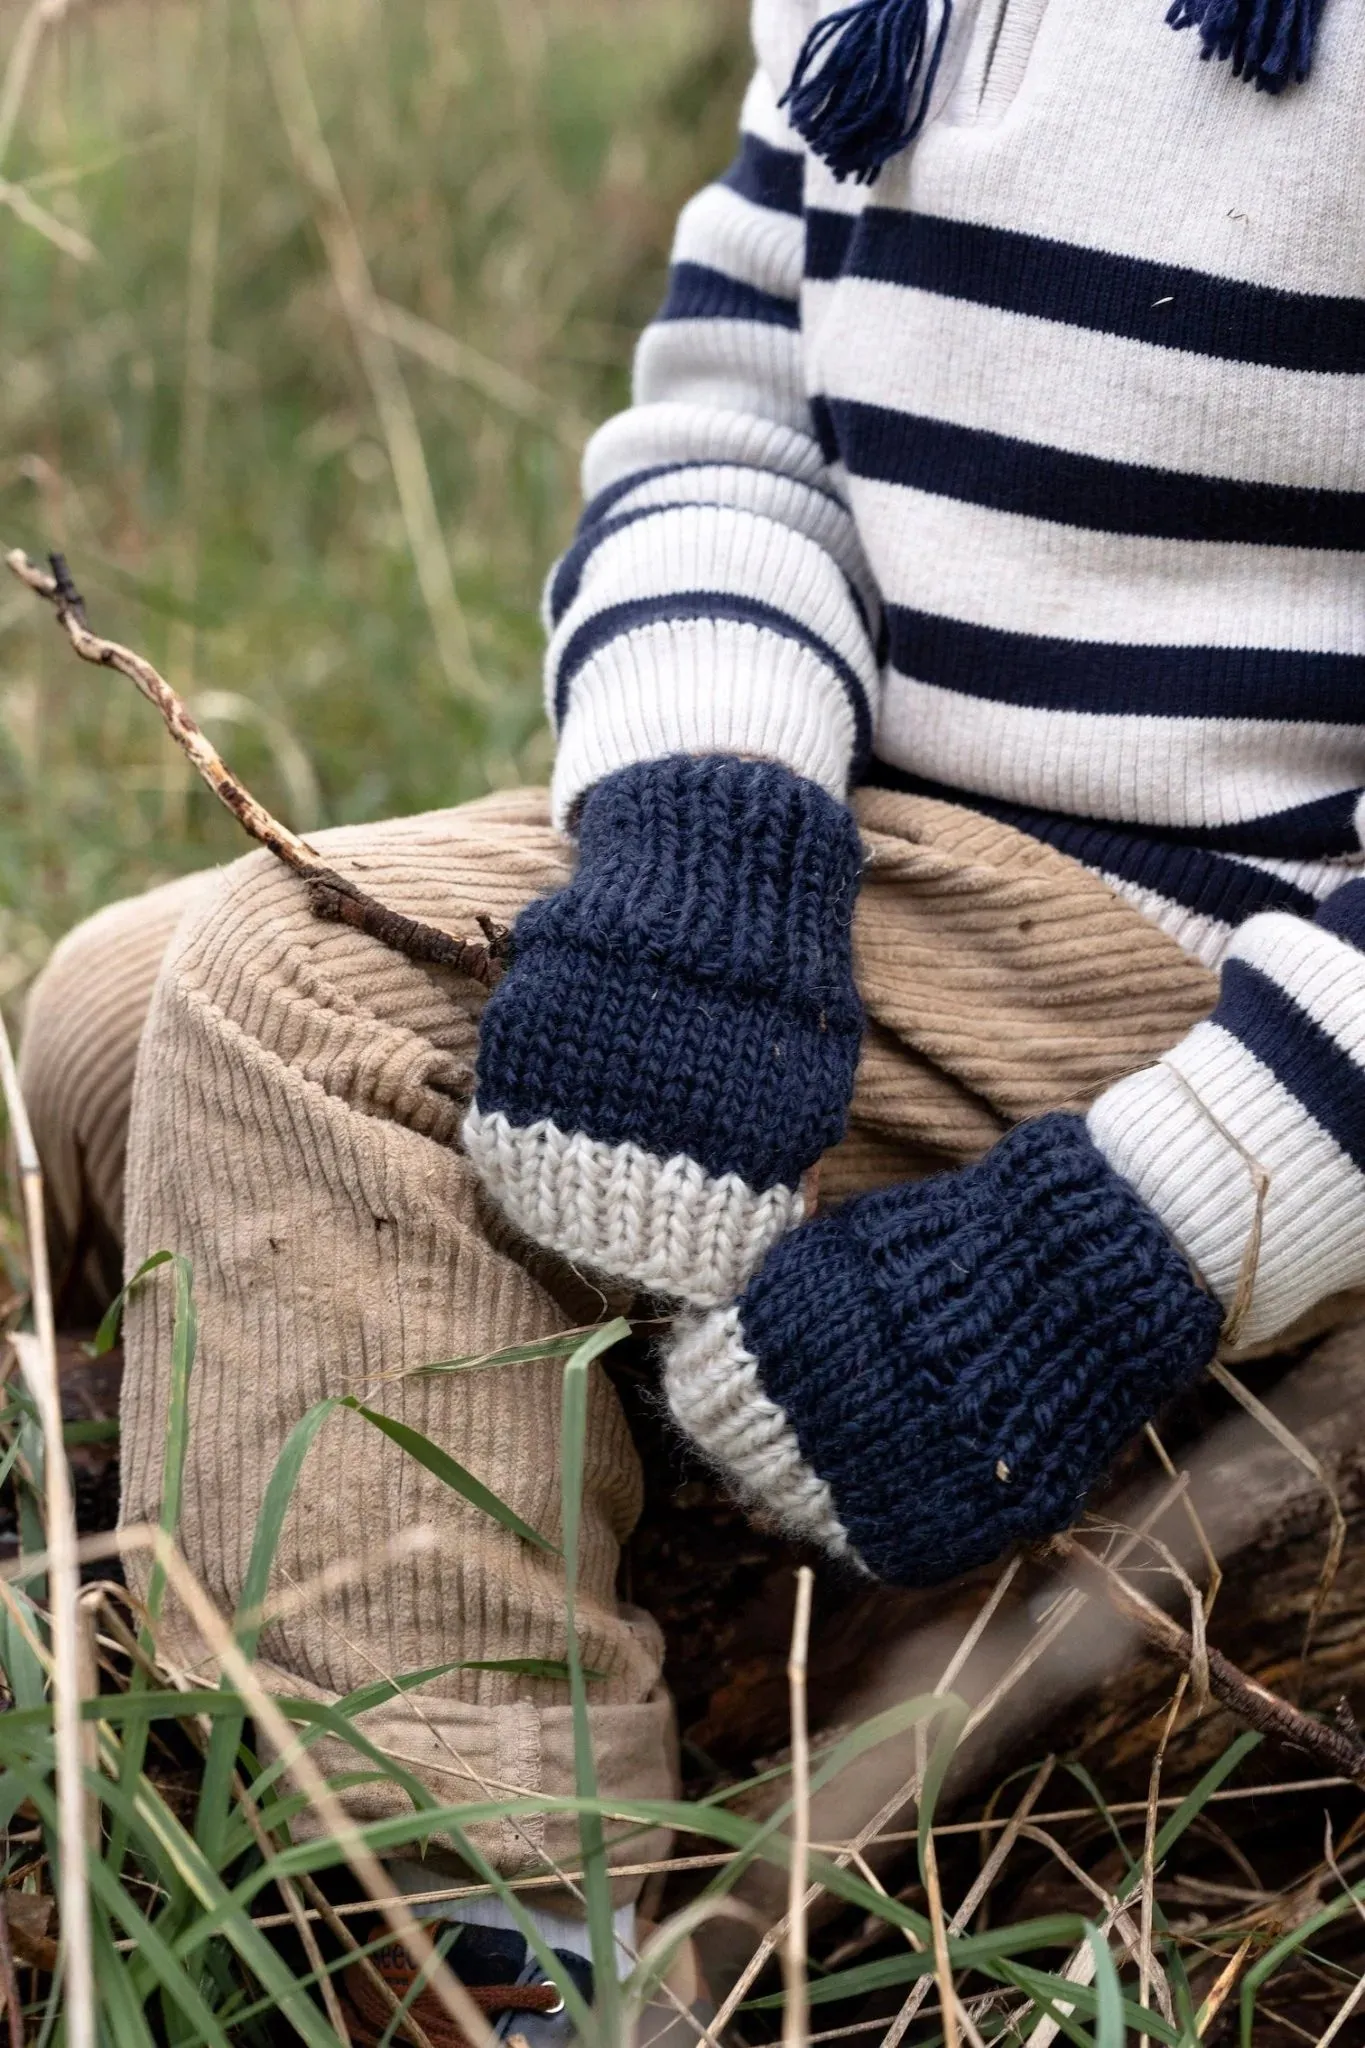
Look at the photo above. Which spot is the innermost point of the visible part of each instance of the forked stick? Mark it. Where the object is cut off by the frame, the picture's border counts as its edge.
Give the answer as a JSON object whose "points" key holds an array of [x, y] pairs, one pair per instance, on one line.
{"points": [[331, 896], [1338, 1749]]}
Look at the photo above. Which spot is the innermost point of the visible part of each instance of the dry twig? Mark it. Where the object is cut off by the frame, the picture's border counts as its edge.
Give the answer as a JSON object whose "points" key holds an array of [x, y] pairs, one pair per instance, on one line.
{"points": [[332, 896], [1250, 1701]]}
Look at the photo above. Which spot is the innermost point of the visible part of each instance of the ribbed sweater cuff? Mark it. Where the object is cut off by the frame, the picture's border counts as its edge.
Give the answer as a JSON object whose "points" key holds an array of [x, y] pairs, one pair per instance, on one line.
{"points": [[704, 685], [1248, 1140]]}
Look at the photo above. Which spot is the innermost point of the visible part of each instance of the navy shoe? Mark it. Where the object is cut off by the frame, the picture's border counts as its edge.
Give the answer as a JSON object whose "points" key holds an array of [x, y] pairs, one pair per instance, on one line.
{"points": [[498, 1971]]}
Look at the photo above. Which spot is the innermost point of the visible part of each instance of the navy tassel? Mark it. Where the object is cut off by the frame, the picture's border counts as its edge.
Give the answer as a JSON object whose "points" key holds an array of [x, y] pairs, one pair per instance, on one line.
{"points": [[860, 91], [1269, 41]]}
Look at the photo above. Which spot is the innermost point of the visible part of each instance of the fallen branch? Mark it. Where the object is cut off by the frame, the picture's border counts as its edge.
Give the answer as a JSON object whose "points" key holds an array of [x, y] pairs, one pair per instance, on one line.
{"points": [[1339, 1749], [331, 895]]}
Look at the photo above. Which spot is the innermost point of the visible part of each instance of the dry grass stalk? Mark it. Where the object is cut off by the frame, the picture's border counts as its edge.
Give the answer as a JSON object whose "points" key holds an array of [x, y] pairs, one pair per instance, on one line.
{"points": [[884, 1814], [332, 896], [322, 1909], [1331, 1564], [38, 1362], [361, 305], [990, 1870], [41, 16], [1221, 1988], [26, 208], [298, 1918], [273, 1725], [796, 2009], [943, 1969], [456, 359], [1344, 2011], [1146, 1959], [201, 283]]}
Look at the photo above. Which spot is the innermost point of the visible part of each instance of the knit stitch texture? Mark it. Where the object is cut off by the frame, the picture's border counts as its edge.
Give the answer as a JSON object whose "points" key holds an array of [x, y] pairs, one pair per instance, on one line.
{"points": [[679, 1029], [960, 1359]]}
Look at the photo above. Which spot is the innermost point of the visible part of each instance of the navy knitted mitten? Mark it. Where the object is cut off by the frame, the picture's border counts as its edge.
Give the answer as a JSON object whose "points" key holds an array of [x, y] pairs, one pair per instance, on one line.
{"points": [[675, 1041], [937, 1371]]}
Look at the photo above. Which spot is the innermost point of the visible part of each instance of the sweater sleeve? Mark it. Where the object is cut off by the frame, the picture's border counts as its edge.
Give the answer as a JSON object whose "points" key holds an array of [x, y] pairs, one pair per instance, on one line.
{"points": [[1248, 1139], [715, 599]]}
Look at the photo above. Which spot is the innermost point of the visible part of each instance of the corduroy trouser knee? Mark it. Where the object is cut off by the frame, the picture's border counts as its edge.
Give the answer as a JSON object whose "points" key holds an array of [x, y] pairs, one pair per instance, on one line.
{"points": [[288, 1095]]}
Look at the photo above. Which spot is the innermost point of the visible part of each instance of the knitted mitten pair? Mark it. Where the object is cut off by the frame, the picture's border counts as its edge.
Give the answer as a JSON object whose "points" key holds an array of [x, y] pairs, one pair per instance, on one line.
{"points": [[933, 1371]]}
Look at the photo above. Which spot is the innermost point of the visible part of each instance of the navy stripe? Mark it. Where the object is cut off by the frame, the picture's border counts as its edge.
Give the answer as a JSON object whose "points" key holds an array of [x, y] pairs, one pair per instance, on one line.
{"points": [[1160, 303], [1344, 913], [611, 494], [1286, 685], [1305, 1058], [1321, 830], [770, 177], [605, 626], [1194, 876], [568, 576], [1038, 482], [698, 293]]}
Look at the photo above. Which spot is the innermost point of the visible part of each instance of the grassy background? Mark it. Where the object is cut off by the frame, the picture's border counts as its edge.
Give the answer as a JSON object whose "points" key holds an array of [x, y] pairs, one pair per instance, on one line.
{"points": [[186, 412]]}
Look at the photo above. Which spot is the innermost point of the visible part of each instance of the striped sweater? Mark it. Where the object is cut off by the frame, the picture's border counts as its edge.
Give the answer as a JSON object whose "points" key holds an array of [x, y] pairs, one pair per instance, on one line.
{"points": [[1031, 474], [1034, 471]]}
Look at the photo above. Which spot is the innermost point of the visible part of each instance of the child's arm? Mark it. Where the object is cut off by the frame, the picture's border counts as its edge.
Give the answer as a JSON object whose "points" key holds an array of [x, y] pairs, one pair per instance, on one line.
{"points": [[937, 1370], [675, 1042], [1248, 1139], [715, 598]]}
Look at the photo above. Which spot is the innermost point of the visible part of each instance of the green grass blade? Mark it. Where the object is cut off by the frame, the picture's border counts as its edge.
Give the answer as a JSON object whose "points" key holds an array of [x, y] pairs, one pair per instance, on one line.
{"points": [[877, 1728], [1109, 2030], [211, 1817], [153, 1817], [513, 1354], [452, 1474], [1194, 1803], [23, 1672], [596, 1881], [971, 1951], [1056, 2000], [936, 1770], [1261, 1971], [154, 1961], [184, 1344], [1046, 1985], [106, 1337]]}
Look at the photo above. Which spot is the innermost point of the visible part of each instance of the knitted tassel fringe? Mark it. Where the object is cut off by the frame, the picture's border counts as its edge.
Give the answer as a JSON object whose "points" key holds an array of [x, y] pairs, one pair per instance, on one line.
{"points": [[1270, 42], [860, 91]]}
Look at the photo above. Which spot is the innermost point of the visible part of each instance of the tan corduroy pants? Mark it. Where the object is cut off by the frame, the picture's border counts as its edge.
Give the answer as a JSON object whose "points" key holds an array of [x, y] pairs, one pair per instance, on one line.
{"points": [[288, 1096]]}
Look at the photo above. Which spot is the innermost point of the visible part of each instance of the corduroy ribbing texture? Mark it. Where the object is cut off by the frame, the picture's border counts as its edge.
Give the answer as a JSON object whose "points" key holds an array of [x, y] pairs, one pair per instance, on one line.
{"points": [[960, 1360], [298, 1096], [82, 1023], [295, 1131]]}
